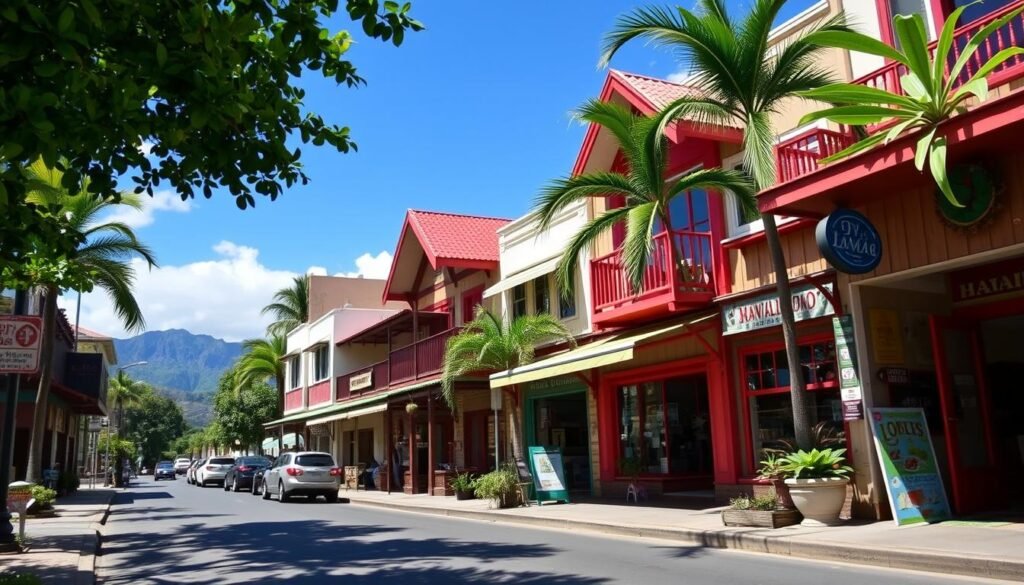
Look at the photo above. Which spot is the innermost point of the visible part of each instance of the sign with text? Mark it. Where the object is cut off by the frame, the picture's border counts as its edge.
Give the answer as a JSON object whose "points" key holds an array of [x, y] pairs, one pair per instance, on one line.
{"points": [[846, 359], [1000, 280], [763, 311], [361, 381], [911, 470], [20, 338], [886, 336], [548, 474], [849, 242]]}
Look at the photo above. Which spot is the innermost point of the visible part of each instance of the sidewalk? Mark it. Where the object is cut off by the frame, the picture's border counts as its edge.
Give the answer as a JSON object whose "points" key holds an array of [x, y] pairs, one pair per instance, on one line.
{"points": [[62, 549], [994, 550]]}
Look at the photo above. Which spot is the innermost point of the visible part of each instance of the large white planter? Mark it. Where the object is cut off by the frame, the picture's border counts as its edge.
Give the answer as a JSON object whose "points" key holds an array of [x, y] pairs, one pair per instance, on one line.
{"points": [[819, 500]]}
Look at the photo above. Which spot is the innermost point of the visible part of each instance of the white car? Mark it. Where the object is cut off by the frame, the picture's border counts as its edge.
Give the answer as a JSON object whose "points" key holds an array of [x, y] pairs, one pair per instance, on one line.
{"points": [[213, 471], [181, 465], [307, 473]]}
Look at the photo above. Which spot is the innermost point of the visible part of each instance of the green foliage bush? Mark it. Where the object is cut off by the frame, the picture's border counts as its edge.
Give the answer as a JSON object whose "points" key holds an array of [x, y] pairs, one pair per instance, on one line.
{"points": [[815, 464], [500, 485], [44, 497], [463, 482], [764, 502], [19, 579]]}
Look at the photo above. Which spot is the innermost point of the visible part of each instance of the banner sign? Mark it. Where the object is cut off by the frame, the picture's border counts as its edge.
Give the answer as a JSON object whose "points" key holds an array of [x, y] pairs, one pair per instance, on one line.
{"points": [[849, 242], [20, 339], [548, 475], [846, 358], [990, 282], [361, 381], [911, 471], [763, 311]]}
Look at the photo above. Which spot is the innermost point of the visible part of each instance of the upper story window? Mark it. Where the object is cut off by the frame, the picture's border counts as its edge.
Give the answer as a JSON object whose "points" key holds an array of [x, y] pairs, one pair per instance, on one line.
{"points": [[541, 295], [567, 306], [321, 363], [518, 301], [295, 371]]}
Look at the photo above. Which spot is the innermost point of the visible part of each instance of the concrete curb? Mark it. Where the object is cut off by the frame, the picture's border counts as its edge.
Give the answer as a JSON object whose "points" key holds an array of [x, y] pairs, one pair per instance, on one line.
{"points": [[894, 558], [90, 549]]}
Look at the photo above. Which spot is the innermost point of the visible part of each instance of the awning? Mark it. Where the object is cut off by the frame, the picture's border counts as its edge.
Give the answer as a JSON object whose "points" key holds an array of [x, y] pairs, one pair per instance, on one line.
{"points": [[271, 442], [523, 276], [349, 414], [300, 416], [603, 352]]}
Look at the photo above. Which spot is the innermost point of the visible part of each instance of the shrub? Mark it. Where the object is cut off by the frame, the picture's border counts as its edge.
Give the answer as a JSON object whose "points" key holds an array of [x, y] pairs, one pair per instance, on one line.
{"points": [[500, 485], [815, 464], [765, 502], [463, 482], [19, 579], [44, 497]]}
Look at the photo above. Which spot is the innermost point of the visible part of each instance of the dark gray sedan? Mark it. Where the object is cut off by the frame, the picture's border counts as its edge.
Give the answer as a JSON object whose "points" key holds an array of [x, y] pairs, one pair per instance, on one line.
{"points": [[164, 470], [240, 476]]}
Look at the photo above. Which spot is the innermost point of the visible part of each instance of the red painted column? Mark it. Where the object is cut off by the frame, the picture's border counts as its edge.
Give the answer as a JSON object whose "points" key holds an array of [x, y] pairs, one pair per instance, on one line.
{"points": [[723, 428], [607, 412]]}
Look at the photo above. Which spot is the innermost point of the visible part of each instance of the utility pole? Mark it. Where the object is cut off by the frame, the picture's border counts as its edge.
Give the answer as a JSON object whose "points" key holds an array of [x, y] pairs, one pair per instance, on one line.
{"points": [[12, 383]]}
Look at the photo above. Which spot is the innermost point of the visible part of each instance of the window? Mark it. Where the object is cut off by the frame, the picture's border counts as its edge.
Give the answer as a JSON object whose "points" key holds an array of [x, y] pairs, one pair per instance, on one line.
{"points": [[663, 426], [322, 363], [567, 305], [905, 7], [471, 299], [766, 376], [295, 371], [541, 295], [315, 460], [518, 301]]}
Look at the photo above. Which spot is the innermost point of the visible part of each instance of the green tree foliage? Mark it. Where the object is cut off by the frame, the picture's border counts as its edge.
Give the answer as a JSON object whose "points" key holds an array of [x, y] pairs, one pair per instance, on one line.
{"points": [[241, 410], [263, 360], [154, 423], [290, 307], [119, 448], [209, 87], [933, 93], [125, 392], [647, 194], [489, 344]]}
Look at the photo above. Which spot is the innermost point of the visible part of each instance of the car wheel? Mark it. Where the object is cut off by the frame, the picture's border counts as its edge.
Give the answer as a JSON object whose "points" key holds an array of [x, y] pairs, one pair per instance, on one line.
{"points": [[255, 488], [281, 494], [234, 485], [266, 492], [331, 498]]}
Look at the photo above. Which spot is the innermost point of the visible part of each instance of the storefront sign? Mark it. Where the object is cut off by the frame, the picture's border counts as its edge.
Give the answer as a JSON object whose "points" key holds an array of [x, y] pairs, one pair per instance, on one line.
{"points": [[849, 381], [763, 311], [911, 471], [361, 381], [548, 475], [894, 375], [886, 336], [975, 189], [989, 282], [849, 242], [20, 339]]}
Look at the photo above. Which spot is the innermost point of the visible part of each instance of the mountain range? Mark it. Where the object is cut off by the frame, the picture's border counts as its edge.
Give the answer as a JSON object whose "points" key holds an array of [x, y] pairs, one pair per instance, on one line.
{"points": [[181, 364]]}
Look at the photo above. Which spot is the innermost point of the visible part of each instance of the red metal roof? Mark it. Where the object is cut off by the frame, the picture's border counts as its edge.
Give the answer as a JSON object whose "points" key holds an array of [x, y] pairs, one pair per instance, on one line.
{"points": [[447, 236], [658, 92]]}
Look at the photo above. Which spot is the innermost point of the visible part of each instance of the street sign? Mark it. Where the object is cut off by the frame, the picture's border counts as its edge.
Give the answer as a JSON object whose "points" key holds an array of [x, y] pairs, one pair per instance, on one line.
{"points": [[20, 338]]}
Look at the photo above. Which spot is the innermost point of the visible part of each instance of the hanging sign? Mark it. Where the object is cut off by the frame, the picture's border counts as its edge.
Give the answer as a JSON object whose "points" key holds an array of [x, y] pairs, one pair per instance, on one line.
{"points": [[548, 475], [360, 381], [20, 338], [763, 311], [846, 357], [909, 465], [849, 242]]}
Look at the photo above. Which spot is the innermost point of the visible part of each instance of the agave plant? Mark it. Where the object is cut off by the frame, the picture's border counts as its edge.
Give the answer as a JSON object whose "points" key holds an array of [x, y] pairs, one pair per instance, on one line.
{"points": [[815, 464], [932, 92]]}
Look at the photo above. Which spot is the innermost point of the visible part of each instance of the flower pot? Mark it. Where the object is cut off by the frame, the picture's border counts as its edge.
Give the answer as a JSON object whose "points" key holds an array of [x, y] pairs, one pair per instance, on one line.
{"points": [[464, 495], [820, 500], [782, 493], [760, 518]]}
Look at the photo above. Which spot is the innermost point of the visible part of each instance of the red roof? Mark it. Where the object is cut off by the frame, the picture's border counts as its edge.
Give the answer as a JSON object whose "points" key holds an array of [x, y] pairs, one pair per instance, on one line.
{"points": [[657, 92], [447, 236]]}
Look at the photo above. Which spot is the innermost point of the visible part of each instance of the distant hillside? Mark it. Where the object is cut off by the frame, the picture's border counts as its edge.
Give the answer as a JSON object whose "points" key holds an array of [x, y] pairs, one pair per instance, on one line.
{"points": [[183, 366]]}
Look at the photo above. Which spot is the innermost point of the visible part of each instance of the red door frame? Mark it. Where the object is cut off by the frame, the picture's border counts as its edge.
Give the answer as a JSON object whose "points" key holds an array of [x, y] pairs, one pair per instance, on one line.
{"points": [[470, 299]]}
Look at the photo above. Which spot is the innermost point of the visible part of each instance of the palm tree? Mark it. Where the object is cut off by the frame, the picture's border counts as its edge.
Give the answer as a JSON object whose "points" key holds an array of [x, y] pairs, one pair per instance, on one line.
{"points": [[105, 256], [490, 344], [125, 392], [742, 81], [263, 359], [290, 307], [647, 194]]}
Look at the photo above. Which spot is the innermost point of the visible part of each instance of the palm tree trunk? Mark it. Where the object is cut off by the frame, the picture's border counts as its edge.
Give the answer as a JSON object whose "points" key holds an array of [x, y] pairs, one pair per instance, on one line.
{"points": [[514, 431], [33, 473], [801, 410]]}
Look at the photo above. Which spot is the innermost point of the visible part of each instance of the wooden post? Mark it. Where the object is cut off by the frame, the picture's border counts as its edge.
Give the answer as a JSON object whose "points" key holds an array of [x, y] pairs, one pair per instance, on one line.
{"points": [[413, 451], [389, 446], [415, 347], [431, 464]]}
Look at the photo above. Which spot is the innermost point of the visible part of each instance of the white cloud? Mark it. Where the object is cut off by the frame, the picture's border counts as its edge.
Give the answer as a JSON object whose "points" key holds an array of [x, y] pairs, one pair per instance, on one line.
{"points": [[316, 271], [370, 266], [160, 201]]}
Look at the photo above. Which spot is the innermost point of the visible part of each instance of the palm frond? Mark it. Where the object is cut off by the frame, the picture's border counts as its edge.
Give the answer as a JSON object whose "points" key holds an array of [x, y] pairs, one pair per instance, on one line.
{"points": [[585, 238]]}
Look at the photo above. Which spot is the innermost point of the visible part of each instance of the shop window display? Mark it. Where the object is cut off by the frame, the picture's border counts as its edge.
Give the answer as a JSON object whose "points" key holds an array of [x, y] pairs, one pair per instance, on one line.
{"points": [[663, 425]]}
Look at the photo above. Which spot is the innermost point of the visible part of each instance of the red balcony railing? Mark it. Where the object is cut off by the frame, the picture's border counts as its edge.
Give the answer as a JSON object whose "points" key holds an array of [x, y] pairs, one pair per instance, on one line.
{"points": [[320, 393], [1010, 35], [416, 361], [664, 275], [802, 154], [293, 399]]}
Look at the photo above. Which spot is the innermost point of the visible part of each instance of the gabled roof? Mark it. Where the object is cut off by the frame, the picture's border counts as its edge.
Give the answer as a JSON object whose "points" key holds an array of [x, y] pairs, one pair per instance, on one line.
{"points": [[658, 93], [442, 240]]}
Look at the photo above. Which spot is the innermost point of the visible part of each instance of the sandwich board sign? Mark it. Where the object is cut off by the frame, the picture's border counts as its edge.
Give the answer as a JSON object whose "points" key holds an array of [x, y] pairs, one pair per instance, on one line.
{"points": [[548, 474]]}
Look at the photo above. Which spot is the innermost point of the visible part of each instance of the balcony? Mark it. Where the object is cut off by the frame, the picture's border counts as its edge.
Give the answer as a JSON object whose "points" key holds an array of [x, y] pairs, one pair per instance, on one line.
{"points": [[669, 285], [802, 154], [293, 399], [320, 393], [417, 361]]}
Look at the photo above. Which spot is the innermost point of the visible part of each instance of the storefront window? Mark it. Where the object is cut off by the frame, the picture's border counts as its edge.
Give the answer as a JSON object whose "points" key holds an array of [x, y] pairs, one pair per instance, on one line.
{"points": [[767, 388], [663, 426]]}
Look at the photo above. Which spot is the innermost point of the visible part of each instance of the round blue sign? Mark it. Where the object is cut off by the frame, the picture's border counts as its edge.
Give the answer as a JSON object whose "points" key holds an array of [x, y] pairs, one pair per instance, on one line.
{"points": [[849, 242]]}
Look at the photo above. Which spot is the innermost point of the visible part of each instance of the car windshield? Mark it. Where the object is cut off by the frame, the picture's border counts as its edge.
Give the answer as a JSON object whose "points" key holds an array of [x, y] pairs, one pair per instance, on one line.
{"points": [[252, 461], [221, 461], [315, 460], [164, 466]]}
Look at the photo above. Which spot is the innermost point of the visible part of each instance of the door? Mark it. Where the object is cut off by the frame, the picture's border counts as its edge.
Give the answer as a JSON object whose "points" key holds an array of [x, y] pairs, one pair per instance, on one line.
{"points": [[966, 413], [477, 455], [470, 300], [275, 474]]}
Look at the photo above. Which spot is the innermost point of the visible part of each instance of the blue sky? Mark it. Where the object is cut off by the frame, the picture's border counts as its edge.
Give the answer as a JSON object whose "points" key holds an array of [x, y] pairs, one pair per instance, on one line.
{"points": [[470, 115]]}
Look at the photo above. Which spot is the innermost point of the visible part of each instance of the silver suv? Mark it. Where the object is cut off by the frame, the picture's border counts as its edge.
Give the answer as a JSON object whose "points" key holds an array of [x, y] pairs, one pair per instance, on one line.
{"points": [[306, 473]]}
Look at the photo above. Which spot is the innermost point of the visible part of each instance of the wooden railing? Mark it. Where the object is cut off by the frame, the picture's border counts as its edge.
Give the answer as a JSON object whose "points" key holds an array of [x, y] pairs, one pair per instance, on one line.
{"points": [[1010, 35], [663, 275], [802, 154], [293, 399], [415, 361], [320, 392]]}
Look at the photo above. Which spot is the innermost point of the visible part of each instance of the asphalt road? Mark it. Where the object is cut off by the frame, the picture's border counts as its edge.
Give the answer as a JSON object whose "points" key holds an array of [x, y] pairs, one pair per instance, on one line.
{"points": [[172, 532]]}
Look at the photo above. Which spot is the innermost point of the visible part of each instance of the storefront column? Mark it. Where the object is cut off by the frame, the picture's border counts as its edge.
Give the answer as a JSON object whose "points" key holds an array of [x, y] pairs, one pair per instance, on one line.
{"points": [[722, 422], [413, 447], [607, 411], [389, 460], [431, 464]]}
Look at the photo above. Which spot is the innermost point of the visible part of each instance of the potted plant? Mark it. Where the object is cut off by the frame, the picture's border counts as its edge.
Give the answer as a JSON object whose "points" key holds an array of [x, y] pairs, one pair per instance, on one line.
{"points": [[501, 486], [771, 471], [817, 483], [411, 408], [44, 498], [762, 510], [463, 484]]}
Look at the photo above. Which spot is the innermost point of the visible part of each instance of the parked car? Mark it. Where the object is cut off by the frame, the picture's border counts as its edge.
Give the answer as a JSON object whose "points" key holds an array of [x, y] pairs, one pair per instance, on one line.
{"points": [[181, 465], [241, 474], [164, 470], [259, 480], [190, 475], [306, 473], [213, 471]]}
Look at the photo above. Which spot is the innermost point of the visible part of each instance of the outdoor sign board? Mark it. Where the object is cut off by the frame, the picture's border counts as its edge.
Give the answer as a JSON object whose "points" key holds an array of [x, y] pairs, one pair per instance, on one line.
{"points": [[849, 242], [762, 311], [990, 282], [20, 338], [909, 465], [548, 474], [361, 381], [846, 356]]}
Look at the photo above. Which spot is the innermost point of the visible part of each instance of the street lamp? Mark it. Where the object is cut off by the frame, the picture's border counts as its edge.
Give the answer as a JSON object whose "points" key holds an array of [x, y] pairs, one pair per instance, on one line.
{"points": [[110, 481]]}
